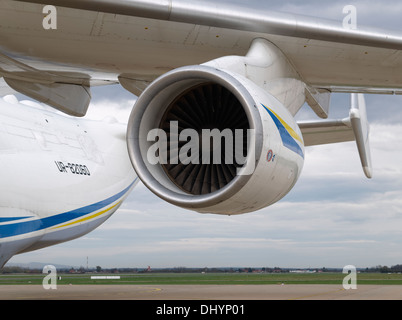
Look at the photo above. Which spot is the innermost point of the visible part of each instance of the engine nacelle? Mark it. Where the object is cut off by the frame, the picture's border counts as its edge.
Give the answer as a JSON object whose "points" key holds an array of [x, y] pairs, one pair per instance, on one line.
{"points": [[251, 160]]}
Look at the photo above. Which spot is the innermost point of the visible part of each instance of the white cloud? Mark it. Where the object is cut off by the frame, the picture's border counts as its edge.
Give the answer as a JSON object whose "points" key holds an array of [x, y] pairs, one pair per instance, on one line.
{"points": [[369, 13], [111, 108]]}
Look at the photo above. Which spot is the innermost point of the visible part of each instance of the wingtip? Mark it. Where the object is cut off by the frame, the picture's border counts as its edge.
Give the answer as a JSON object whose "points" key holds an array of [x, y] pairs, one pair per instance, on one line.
{"points": [[368, 172]]}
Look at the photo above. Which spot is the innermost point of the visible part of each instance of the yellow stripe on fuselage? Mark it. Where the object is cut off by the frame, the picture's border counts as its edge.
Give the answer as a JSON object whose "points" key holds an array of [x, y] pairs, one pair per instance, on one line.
{"points": [[87, 218]]}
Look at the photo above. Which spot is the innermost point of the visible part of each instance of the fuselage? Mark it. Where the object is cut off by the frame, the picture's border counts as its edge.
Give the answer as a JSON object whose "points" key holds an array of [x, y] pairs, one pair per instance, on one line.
{"points": [[61, 177]]}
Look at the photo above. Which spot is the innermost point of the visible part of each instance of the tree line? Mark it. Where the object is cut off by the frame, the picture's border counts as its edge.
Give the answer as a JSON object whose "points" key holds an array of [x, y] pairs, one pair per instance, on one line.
{"points": [[377, 269]]}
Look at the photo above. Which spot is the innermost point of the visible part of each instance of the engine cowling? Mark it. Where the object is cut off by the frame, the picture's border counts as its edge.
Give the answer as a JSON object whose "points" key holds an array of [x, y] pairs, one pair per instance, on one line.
{"points": [[176, 159]]}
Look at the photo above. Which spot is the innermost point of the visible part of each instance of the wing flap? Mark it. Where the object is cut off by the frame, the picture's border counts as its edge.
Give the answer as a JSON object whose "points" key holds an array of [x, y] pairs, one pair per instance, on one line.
{"points": [[69, 98], [69, 93]]}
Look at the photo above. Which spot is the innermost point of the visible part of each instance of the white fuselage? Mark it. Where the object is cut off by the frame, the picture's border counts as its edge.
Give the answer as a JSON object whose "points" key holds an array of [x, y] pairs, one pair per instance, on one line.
{"points": [[61, 177]]}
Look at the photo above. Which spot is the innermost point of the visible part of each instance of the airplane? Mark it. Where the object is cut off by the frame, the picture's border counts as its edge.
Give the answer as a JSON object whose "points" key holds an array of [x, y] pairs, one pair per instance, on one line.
{"points": [[202, 66]]}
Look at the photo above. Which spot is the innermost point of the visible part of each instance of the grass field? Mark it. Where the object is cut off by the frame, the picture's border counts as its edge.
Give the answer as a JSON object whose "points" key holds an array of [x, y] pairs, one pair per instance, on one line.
{"points": [[207, 278]]}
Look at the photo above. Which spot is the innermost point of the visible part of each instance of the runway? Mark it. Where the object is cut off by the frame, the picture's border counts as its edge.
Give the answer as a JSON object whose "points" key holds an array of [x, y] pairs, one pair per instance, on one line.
{"points": [[200, 292]]}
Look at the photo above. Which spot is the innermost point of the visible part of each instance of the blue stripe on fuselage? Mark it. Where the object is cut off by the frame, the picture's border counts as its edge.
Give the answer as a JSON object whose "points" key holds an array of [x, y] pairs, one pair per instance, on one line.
{"points": [[14, 229]]}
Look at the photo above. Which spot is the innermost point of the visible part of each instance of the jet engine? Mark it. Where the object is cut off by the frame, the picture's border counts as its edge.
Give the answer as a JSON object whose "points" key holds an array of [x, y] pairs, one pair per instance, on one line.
{"points": [[212, 141]]}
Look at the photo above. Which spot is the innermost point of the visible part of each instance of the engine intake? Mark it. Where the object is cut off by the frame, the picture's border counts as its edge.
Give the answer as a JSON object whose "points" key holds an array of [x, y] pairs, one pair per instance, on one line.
{"points": [[196, 137], [206, 106]]}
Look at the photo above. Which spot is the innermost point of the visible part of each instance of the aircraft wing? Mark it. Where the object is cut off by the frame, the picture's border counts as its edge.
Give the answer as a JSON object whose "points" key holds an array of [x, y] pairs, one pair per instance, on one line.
{"points": [[324, 53], [327, 57]]}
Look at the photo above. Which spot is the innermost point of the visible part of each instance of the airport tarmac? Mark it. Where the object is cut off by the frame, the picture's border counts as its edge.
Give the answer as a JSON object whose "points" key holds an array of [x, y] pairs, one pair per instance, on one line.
{"points": [[201, 292]]}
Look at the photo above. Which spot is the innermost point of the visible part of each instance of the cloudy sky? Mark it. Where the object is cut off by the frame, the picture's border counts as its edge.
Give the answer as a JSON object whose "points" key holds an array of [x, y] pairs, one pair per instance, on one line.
{"points": [[333, 217]]}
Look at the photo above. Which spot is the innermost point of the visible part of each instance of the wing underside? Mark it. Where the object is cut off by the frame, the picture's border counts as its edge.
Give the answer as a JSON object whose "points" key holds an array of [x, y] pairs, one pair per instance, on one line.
{"points": [[325, 54]]}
